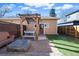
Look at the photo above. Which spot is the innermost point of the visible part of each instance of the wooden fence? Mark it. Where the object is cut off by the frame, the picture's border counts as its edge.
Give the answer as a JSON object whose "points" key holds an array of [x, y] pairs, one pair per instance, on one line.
{"points": [[13, 29], [71, 30]]}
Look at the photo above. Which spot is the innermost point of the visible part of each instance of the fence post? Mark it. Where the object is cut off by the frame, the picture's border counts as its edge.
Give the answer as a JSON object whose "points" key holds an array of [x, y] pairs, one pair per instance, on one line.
{"points": [[76, 31]]}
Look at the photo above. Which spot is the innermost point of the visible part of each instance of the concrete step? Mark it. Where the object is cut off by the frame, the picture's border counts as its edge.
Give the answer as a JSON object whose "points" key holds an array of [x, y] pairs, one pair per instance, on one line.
{"points": [[28, 36], [29, 32]]}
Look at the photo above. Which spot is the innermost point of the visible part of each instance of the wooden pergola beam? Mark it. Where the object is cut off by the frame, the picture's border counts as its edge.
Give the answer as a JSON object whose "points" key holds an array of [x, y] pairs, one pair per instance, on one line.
{"points": [[21, 25], [23, 18]]}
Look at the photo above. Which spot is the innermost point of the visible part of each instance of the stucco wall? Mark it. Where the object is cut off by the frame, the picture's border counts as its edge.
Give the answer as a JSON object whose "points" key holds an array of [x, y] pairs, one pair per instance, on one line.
{"points": [[30, 26], [52, 26], [11, 20]]}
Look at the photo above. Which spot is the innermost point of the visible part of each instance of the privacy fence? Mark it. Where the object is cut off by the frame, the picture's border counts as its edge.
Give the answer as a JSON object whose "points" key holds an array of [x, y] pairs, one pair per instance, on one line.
{"points": [[13, 29], [69, 28]]}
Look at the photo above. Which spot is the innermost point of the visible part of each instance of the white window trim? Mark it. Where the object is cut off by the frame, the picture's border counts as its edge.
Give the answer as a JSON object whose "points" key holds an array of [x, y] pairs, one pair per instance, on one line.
{"points": [[47, 24]]}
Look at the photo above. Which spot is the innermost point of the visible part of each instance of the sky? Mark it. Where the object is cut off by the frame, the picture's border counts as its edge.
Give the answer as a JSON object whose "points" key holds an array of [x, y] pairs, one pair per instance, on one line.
{"points": [[61, 9]]}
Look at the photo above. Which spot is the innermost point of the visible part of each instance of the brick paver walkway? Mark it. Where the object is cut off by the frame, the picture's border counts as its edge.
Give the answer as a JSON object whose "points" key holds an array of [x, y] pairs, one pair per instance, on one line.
{"points": [[39, 47]]}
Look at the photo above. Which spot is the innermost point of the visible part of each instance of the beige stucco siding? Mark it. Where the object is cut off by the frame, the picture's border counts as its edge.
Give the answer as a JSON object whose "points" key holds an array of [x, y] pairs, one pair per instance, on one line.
{"points": [[13, 20], [51, 29], [52, 26], [31, 26]]}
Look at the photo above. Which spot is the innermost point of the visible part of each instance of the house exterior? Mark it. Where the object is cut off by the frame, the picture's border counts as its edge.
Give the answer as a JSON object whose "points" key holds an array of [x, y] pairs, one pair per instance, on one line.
{"points": [[71, 27], [50, 25], [73, 16], [41, 25], [60, 20]]}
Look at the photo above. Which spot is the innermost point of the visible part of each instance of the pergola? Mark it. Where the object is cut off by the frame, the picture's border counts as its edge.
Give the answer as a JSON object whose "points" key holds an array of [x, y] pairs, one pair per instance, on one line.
{"points": [[36, 17]]}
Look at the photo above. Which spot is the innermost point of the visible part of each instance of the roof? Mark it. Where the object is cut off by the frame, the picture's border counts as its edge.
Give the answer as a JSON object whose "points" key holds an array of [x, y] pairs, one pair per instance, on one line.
{"points": [[72, 13], [30, 15], [69, 23], [9, 18], [54, 18], [49, 18]]}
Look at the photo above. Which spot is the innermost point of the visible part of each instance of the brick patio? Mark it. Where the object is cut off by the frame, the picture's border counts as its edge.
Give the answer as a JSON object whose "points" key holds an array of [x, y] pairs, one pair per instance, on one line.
{"points": [[39, 47]]}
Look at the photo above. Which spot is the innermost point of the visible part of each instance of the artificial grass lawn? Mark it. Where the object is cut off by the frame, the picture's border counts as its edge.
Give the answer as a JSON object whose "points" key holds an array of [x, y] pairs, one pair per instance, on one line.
{"points": [[66, 45]]}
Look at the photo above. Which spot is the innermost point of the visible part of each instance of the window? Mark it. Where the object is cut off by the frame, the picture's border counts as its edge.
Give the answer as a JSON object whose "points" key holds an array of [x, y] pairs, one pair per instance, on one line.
{"points": [[44, 25], [68, 17]]}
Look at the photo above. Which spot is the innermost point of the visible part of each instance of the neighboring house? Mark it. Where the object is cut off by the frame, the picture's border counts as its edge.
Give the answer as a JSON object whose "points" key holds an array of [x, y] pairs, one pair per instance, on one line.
{"points": [[41, 25], [69, 19], [73, 16], [61, 20], [71, 26]]}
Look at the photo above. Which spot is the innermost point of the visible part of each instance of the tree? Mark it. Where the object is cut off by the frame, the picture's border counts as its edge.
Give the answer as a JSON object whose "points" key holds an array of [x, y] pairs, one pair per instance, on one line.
{"points": [[52, 13], [4, 10]]}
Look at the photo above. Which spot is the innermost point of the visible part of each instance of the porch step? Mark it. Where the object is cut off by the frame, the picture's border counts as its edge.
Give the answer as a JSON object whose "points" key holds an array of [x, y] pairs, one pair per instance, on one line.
{"points": [[29, 31], [29, 37], [29, 34]]}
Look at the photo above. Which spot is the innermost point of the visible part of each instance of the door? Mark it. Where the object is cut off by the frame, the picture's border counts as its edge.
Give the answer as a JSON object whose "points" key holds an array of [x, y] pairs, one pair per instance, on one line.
{"points": [[41, 28]]}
